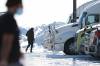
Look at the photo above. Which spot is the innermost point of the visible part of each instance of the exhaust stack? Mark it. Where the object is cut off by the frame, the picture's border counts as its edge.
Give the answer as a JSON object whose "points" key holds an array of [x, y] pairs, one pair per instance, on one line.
{"points": [[74, 10]]}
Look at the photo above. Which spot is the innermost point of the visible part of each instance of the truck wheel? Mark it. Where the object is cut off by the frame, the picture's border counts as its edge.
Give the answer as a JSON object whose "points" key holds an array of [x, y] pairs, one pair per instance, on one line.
{"points": [[97, 55], [69, 47], [98, 52]]}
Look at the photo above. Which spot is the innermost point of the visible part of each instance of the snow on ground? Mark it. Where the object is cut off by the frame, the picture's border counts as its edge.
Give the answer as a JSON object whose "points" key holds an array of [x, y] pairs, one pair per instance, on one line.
{"points": [[43, 57]]}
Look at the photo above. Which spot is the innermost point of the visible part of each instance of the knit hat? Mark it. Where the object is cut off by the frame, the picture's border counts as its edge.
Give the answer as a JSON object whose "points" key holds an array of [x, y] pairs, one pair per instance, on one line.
{"points": [[13, 2]]}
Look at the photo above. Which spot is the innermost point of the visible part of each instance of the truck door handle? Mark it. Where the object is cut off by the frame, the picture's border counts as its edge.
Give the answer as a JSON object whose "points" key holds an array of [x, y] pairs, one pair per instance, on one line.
{"points": [[75, 25]]}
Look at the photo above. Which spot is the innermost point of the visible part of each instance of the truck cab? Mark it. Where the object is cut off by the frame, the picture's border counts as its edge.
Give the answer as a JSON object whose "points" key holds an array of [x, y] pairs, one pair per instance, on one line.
{"points": [[61, 38], [89, 18]]}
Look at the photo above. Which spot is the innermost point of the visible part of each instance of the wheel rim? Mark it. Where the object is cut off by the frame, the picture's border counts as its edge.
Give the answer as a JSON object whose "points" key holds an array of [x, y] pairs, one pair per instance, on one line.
{"points": [[72, 47]]}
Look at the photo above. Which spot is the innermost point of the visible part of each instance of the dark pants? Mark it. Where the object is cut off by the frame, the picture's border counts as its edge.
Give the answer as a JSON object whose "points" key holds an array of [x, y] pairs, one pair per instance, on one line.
{"points": [[30, 44]]}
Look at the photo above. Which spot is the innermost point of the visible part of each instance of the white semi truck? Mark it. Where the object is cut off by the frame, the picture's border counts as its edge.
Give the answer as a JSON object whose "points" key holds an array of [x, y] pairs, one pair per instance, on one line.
{"points": [[59, 38]]}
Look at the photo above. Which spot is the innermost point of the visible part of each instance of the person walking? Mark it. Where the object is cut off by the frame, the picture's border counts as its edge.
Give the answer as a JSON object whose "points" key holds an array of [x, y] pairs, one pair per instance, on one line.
{"points": [[10, 53], [30, 38]]}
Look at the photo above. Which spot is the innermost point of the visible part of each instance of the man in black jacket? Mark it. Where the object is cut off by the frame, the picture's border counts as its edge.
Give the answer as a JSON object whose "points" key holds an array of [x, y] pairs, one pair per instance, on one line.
{"points": [[9, 35], [30, 37]]}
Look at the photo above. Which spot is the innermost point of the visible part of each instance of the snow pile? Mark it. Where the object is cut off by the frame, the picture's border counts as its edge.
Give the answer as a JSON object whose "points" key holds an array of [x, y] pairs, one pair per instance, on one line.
{"points": [[41, 31]]}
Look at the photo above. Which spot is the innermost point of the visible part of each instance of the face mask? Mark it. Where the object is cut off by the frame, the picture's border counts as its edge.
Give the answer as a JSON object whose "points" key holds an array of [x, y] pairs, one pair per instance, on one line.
{"points": [[19, 11]]}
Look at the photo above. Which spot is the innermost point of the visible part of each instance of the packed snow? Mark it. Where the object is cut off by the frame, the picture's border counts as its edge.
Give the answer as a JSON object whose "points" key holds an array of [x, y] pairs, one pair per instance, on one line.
{"points": [[43, 57]]}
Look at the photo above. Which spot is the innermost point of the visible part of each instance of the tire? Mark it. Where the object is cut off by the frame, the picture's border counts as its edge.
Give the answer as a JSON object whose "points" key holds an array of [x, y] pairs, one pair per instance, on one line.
{"points": [[97, 55], [67, 50]]}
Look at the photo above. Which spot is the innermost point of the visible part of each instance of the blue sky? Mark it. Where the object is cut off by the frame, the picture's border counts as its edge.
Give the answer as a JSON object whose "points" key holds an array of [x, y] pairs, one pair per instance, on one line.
{"points": [[37, 12]]}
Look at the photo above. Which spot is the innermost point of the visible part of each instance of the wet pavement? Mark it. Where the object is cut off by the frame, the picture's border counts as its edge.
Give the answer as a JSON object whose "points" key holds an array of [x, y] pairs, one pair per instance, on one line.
{"points": [[42, 57]]}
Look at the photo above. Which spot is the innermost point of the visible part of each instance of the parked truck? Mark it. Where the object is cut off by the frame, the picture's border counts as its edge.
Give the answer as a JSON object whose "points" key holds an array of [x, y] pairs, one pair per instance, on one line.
{"points": [[61, 38], [87, 40]]}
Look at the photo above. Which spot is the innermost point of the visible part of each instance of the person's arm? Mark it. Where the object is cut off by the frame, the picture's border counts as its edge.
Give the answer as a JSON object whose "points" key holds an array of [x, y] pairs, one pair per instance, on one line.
{"points": [[7, 41]]}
